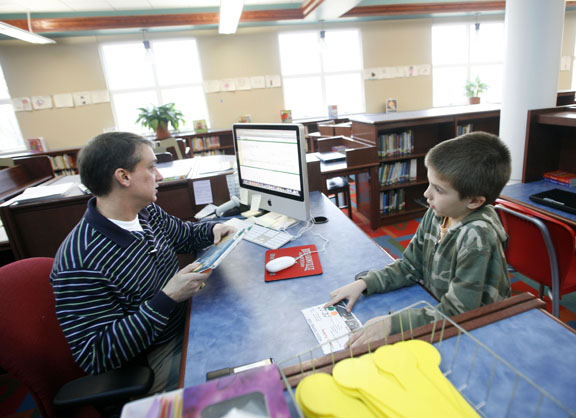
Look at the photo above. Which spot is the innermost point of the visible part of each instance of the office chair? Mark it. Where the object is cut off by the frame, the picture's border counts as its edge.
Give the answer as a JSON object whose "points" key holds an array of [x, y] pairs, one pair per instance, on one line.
{"points": [[35, 351], [337, 185], [540, 247]]}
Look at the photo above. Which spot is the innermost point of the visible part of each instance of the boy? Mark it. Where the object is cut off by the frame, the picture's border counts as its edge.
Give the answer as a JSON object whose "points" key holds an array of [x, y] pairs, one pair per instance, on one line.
{"points": [[457, 252]]}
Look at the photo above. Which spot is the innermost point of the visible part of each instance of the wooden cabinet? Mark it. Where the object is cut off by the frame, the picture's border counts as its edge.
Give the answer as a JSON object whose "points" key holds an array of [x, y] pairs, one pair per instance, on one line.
{"points": [[213, 142], [550, 142], [403, 139]]}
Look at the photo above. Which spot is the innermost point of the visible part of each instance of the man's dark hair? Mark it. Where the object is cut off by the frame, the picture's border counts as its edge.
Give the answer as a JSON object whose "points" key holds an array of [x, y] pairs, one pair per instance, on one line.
{"points": [[104, 154], [475, 164]]}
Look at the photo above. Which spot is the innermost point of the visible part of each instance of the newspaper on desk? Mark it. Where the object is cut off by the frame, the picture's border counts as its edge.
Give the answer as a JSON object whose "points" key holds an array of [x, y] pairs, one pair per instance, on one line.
{"points": [[331, 325]]}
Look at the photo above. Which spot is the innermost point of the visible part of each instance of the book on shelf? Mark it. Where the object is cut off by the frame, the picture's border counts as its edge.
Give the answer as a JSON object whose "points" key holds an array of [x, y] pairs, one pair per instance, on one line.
{"points": [[398, 172], [463, 129], [392, 201], [564, 178], [396, 144]]}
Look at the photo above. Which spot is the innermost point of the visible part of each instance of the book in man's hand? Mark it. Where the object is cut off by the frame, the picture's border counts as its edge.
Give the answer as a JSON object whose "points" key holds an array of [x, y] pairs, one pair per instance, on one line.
{"points": [[213, 255]]}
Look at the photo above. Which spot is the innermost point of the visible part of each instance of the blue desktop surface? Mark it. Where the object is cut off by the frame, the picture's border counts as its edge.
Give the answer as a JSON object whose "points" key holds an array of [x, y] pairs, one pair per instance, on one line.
{"points": [[521, 192], [238, 318]]}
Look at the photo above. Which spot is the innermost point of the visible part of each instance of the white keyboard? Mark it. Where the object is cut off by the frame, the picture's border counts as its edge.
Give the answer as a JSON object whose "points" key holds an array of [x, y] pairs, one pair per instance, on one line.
{"points": [[261, 235]]}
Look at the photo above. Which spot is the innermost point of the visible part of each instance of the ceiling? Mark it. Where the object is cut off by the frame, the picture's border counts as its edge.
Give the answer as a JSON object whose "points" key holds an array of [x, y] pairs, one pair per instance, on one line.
{"points": [[57, 18]]}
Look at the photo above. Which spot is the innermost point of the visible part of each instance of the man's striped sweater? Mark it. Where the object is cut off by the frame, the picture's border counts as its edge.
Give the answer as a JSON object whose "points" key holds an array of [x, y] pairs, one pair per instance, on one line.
{"points": [[107, 283]]}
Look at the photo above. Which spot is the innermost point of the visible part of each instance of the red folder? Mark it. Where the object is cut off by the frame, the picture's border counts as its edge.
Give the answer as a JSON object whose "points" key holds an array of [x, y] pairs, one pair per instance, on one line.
{"points": [[308, 265]]}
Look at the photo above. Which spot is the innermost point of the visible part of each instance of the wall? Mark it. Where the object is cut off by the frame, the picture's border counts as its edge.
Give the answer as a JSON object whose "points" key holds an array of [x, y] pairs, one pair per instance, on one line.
{"points": [[73, 64]]}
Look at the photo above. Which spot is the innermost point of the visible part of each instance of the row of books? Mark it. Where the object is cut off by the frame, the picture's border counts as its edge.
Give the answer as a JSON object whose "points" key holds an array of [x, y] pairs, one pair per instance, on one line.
{"points": [[564, 178], [463, 129], [398, 172], [392, 145], [63, 163], [211, 152], [201, 143], [392, 201]]}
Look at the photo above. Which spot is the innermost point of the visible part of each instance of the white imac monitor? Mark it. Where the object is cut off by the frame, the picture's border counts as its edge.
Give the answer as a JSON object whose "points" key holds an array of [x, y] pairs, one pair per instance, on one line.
{"points": [[271, 162]]}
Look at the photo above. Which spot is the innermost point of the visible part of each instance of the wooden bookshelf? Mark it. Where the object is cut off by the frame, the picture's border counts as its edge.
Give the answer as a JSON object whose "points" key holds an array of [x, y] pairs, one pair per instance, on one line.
{"points": [[63, 160], [550, 142], [212, 142], [426, 129]]}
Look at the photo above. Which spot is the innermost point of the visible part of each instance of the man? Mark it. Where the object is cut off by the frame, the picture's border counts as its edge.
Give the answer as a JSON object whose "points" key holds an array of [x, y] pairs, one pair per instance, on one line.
{"points": [[116, 282]]}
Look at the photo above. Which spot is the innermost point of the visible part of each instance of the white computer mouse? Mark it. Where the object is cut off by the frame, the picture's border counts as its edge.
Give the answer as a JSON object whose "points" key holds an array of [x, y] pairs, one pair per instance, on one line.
{"points": [[280, 263]]}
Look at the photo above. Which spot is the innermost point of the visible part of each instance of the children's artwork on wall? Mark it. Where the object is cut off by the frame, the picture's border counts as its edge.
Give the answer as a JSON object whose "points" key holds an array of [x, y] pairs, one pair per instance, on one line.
{"points": [[22, 104], [63, 100], [273, 81], [243, 83], [82, 98], [258, 82], [41, 102], [211, 86]]}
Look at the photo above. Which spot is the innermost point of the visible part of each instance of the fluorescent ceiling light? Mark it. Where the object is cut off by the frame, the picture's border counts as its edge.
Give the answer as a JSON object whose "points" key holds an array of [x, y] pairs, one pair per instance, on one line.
{"points": [[230, 11], [24, 35]]}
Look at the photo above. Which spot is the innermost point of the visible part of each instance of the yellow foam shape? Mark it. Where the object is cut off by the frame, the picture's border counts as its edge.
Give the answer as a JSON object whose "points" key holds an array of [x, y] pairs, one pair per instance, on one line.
{"points": [[319, 394], [382, 391], [396, 359], [428, 361]]}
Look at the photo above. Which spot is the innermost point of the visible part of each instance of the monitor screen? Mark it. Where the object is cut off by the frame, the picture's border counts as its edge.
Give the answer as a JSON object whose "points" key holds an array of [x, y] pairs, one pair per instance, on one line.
{"points": [[271, 162]]}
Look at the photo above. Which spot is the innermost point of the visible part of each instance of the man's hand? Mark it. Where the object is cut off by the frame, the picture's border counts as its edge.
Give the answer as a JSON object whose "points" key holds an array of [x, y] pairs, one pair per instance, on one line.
{"points": [[185, 283], [351, 292], [374, 329], [221, 230]]}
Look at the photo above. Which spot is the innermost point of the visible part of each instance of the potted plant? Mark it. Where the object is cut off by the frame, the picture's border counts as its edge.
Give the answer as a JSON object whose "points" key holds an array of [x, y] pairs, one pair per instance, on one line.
{"points": [[474, 89], [157, 118]]}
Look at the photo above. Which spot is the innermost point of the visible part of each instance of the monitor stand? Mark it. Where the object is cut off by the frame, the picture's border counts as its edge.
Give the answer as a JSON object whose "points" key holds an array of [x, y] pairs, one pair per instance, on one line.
{"points": [[275, 221]]}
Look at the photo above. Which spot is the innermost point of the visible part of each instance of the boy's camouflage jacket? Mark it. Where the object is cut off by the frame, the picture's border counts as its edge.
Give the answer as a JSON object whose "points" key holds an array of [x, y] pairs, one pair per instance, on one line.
{"points": [[467, 269]]}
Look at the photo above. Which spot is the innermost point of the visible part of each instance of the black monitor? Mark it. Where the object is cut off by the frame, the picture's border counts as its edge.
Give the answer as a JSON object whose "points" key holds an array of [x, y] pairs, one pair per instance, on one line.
{"points": [[271, 162]]}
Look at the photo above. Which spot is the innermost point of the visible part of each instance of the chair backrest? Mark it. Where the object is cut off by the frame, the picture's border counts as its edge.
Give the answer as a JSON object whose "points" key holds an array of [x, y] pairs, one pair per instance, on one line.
{"points": [[526, 250], [33, 347], [170, 145]]}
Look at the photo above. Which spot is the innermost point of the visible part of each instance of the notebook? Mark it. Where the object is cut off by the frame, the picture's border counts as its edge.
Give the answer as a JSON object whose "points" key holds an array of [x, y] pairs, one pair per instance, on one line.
{"points": [[556, 198], [329, 157]]}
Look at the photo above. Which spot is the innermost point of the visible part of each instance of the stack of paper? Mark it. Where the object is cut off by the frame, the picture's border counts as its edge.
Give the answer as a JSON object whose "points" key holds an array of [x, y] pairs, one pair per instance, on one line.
{"points": [[44, 192]]}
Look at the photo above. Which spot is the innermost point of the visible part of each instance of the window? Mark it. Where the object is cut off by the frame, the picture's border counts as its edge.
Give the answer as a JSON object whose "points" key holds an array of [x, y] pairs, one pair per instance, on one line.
{"points": [[168, 71], [318, 71], [10, 135], [461, 52]]}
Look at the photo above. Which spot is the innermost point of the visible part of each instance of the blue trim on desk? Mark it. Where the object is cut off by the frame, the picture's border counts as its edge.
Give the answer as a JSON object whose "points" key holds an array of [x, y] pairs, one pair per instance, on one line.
{"points": [[523, 191]]}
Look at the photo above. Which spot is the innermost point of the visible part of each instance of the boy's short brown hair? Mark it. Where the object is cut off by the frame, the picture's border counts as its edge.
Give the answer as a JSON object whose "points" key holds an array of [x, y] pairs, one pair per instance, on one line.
{"points": [[475, 164]]}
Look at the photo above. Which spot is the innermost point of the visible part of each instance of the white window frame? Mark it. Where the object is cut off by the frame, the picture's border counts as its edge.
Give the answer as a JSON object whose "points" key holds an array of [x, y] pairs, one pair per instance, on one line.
{"points": [[468, 65], [6, 100], [323, 73], [157, 87]]}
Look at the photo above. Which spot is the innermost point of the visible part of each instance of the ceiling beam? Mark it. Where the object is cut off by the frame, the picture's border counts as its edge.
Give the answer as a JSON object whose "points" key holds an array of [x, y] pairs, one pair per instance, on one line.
{"points": [[308, 8], [327, 10], [72, 24]]}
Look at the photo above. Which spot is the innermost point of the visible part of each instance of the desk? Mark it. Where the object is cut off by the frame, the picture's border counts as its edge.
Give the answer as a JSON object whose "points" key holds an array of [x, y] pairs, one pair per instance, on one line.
{"points": [[520, 193], [239, 319]]}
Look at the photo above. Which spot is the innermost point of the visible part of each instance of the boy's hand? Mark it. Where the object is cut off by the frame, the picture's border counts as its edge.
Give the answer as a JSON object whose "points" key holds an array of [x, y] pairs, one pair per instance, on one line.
{"points": [[351, 292], [221, 230], [186, 283], [374, 329]]}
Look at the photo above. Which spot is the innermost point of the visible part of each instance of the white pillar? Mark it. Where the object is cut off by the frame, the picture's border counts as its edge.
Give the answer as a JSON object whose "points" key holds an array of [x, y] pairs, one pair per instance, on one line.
{"points": [[532, 62]]}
